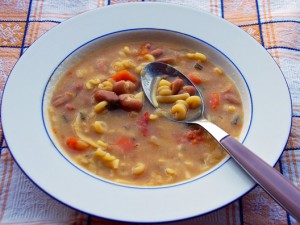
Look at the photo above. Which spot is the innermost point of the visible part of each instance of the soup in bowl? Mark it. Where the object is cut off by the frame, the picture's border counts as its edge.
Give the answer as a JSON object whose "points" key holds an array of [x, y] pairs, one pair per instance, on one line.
{"points": [[99, 119]]}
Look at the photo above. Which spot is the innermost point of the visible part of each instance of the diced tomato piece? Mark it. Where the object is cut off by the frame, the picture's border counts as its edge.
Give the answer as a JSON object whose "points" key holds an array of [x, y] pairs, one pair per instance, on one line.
{"points": [[126, 144], [78, 145], [214, 100], [143, 123], [194, 78], [193, 136], [123, 75]]}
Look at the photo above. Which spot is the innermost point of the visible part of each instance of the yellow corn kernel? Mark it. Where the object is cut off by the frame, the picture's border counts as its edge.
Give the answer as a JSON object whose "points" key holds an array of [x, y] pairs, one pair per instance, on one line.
{"points": [[218, 70], [100, 106], [194, 102], [231, 108], [197, 55], [170, 171], [100, 152], [164, 82], [153, 117], [102, 144], [100, 127], [139, 169], [149, 57], [179, 111], [108, 157]]}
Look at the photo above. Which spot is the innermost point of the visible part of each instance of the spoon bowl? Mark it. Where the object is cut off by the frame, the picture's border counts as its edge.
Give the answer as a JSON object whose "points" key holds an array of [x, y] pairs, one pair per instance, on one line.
{"points": [[281, 189]]}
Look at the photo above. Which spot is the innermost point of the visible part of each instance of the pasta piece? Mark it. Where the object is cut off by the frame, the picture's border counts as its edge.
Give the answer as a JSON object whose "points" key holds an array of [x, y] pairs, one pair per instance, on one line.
{"points": [[78, 131], [179, 111], [126, 50], [139, 169], [153, 117], [100, 127], [197, 55], [149, 57], [108, 157], [170, 171], [100, 106], [172, 98], [139, 68], [164, 82], [106, 85], [218, 70], [154, 140], [102, 144], [194, 102], [165, 91], [183, 102]]}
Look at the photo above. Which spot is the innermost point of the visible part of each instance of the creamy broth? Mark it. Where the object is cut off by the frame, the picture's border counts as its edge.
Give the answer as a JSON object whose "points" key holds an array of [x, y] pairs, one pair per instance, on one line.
{"points": [[104, 123]]}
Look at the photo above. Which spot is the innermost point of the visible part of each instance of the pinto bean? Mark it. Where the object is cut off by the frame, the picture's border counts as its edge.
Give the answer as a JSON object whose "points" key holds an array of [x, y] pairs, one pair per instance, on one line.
{"points": [[76, 87], [109, 96], [177, 84], [101, 66], [70, 106], [122, 87], [62, 99], [167, 60], [157, 52], [231, 98], [188, 89], [129, 103]]}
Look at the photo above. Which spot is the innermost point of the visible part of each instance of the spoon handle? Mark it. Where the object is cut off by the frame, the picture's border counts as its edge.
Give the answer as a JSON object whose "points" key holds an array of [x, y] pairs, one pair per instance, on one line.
{"points": [[273, 182]]}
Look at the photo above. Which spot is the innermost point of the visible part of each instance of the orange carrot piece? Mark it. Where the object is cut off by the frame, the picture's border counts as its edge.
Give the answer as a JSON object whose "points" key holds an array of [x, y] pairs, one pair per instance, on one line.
{"points": [[214, 100], [123, 75], [78, 145], [194, 78]]}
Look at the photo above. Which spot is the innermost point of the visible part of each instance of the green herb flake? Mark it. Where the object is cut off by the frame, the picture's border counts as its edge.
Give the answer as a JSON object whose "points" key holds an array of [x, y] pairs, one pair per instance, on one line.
{"points": [[82, 116], [198, 66], [64, 118], [235, 120]]}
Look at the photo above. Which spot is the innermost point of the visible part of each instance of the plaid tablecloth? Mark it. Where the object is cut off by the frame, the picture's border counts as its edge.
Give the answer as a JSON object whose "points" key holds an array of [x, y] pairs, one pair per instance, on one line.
{"points": [[275, 24]]}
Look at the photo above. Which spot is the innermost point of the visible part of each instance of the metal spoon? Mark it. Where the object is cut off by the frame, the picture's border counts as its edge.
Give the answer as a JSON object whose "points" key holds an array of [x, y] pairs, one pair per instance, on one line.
{"points": [[281, 189]]}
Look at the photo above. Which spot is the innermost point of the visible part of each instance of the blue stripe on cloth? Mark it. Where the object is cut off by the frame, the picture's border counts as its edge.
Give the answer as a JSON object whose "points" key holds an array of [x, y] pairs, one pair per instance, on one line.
{"points": [[29, 21], [284, 47], [259, 23], [222, 8], [268, 22], [26, 27], [10, 46], [241, 211]]}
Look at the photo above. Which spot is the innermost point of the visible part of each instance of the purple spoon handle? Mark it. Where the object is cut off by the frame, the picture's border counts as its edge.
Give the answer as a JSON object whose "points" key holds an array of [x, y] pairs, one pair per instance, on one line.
{"points": [[273, 182]]}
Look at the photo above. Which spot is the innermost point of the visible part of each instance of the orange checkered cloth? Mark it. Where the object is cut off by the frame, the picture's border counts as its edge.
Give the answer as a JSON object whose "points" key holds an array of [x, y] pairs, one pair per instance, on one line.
{"points": [[275, 24]]}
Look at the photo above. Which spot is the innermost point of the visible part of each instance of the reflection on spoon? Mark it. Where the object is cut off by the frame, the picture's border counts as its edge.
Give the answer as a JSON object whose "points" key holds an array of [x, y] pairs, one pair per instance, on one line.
{"points": [[282, 190]]}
